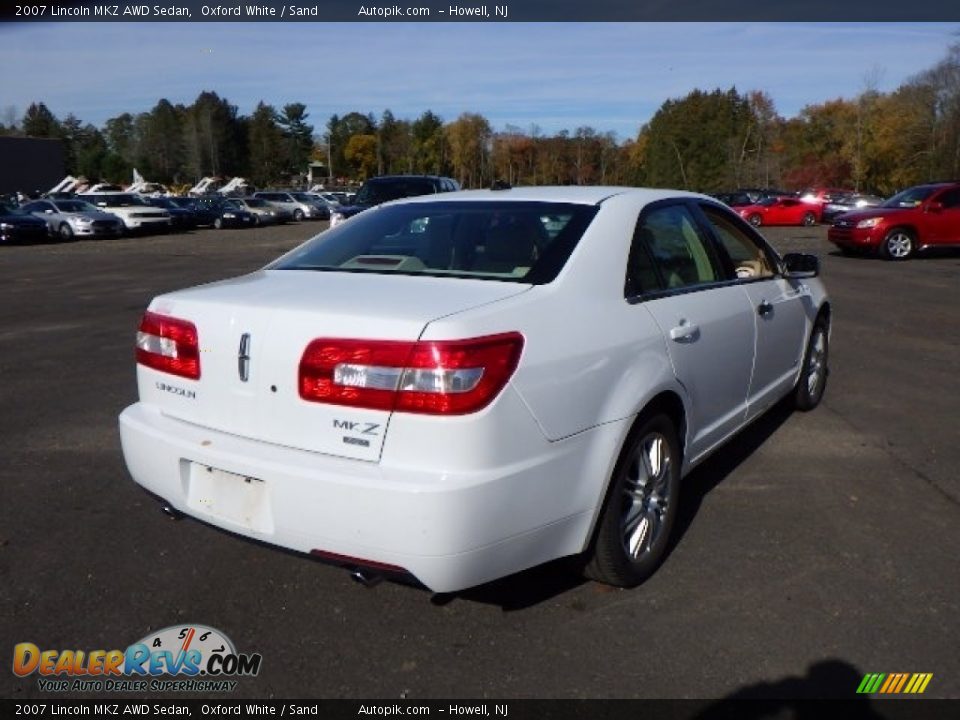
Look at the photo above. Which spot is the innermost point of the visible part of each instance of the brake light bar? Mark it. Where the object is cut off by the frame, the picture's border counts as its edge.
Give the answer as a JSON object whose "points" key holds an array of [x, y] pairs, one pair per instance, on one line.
{"points": [[169, 344], [437, 377]]}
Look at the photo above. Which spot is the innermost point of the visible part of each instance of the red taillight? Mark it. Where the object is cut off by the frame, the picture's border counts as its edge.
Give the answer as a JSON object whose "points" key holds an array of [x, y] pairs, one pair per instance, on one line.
{"points": [[438, 377], [169, 344]]}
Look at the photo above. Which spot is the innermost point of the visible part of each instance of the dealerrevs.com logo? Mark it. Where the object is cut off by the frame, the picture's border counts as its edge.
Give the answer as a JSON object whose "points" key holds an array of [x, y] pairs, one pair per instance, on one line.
{"points": [[185, 658]]}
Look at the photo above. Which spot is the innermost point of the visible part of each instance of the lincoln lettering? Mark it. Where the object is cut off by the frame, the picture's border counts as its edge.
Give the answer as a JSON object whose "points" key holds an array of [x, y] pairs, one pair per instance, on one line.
{"points": [[174, 390]]}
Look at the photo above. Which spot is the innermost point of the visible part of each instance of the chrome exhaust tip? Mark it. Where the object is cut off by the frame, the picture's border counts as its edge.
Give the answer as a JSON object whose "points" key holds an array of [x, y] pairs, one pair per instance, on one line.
{"points": [[171, 512], [365, 577]]}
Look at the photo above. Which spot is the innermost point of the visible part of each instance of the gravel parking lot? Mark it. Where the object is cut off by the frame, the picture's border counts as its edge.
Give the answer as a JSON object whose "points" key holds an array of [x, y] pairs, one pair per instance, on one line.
{"points": [[814, 549]]}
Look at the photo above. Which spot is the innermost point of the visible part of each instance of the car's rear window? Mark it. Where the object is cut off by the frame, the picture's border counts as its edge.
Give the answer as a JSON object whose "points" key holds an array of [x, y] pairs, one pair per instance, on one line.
{"points": [[516, 241]]}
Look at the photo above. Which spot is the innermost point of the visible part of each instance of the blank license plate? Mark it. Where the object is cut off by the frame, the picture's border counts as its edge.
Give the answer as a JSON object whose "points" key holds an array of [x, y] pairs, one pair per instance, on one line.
{"points": [[238, 499]]}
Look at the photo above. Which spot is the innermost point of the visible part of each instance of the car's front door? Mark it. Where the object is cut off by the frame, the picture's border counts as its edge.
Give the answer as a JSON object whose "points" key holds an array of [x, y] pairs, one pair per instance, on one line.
{"points": [[707, 325], [778, 307], [943, 222]]}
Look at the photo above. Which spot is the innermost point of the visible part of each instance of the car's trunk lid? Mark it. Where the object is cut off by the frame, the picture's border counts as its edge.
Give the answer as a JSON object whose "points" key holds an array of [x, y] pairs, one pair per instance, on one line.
{"points": [[252, 333]]}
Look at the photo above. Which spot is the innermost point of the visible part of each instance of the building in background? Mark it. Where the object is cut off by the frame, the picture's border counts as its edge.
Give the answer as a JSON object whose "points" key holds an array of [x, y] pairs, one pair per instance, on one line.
{"points": [[30, 164]]}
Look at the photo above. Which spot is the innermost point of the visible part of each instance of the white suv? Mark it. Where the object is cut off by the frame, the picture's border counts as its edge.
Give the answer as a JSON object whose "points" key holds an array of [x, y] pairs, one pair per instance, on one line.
{"points": [[135, 212]]}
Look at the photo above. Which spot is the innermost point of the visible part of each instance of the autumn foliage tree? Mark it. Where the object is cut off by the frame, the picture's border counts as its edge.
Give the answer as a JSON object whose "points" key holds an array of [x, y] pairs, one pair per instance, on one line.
{"points": [[707, 140]]}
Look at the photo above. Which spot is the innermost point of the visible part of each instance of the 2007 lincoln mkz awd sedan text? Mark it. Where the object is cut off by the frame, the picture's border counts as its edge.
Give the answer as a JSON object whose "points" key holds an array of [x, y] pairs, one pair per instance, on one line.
{"points": [[456, 387]]}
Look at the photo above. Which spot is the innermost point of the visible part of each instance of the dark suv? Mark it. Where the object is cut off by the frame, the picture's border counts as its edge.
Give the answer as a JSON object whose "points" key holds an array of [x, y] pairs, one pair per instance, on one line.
{"points": [[393, 187]]}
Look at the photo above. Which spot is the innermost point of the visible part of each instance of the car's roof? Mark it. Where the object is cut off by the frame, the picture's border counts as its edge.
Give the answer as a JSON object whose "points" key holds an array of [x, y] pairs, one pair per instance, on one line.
{"points": [[408, 177], [935, 185], [576, 194]]}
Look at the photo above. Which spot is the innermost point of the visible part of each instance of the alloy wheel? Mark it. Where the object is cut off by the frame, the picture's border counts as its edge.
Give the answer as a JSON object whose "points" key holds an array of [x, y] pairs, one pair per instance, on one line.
{"points": [[646, 486]]}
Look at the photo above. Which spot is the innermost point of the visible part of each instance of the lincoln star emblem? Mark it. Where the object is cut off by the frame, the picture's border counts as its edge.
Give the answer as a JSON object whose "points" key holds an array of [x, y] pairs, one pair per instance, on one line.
{"points": [[243, 357]]}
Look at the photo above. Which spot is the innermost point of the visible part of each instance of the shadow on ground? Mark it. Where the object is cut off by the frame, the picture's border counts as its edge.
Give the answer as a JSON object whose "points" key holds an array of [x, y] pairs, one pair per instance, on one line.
{"points": [[798, 698], [543, 583]]}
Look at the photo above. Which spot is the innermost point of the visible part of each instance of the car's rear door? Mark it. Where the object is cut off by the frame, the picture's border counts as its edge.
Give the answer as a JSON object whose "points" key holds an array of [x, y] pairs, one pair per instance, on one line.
{"points": [[707, 323]]}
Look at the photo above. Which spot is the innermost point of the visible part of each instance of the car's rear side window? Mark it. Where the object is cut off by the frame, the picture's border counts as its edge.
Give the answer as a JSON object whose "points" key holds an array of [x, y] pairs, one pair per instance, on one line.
{"points": [[513, 241]]}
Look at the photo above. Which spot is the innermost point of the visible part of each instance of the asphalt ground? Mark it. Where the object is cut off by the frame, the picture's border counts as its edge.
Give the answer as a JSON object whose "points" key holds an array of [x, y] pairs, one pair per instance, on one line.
{"points": [[812, 550]]}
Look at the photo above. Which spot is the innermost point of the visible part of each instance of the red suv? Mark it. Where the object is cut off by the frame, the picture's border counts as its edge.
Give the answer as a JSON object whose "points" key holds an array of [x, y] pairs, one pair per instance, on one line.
{"points": [[917, 218]]}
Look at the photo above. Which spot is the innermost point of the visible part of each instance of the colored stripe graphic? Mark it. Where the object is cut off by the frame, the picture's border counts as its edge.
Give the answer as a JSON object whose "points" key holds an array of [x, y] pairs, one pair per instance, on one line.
{"points": [[894, 683], [891, 680], [870, 683]]}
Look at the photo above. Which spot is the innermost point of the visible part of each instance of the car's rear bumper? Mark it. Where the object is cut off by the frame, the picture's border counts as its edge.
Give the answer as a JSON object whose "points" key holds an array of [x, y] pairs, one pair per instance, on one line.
{"points": [[448, 530]]}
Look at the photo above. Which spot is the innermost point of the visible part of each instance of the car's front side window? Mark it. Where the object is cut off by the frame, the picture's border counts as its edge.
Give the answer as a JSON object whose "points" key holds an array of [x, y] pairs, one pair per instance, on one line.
{"points": [[670, 252], [950, 198], [749, 260]]}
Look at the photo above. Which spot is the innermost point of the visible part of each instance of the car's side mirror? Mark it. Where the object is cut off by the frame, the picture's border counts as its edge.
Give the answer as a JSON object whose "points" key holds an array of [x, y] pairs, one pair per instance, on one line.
{"points": [[800, 265]]}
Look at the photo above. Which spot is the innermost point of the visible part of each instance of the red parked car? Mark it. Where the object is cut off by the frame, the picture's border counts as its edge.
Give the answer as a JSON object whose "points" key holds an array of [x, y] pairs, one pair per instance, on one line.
{"points": [[917, 218], [781, 211]]}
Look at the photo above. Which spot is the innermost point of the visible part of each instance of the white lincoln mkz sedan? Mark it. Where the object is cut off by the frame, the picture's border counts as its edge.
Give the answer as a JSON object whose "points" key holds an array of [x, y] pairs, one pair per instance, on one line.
{"points": [[457, 387]]}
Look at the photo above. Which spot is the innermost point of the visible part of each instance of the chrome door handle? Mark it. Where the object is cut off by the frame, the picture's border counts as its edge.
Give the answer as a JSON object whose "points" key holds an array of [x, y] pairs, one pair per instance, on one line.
{"points": [[685, 331]]}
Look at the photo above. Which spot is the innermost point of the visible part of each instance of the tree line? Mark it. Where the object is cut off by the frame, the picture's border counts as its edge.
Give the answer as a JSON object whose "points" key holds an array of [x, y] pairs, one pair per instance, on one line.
{"points": [[706, 141]]}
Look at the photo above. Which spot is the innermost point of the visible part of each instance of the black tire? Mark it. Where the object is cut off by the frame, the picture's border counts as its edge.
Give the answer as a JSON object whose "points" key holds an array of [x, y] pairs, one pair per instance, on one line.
{"points": [[65, 232], [218, 224], [809, 219], [810, 387], [298, 215], [638, 515], [755, 220], [899, 244]]}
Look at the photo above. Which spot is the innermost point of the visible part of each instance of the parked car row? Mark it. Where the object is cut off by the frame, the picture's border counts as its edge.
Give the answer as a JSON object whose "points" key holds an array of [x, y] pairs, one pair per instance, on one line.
{"points": [[918, 218], [112, 214], [767, 206]]}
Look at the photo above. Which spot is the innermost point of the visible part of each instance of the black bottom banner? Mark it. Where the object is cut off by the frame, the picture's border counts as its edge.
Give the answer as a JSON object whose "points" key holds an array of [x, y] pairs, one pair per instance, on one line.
{"points": [[732, 709]]}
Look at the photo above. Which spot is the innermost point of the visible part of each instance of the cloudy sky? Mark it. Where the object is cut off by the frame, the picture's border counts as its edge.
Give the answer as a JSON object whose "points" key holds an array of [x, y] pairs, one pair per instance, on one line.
{"points": [[612, 76]]}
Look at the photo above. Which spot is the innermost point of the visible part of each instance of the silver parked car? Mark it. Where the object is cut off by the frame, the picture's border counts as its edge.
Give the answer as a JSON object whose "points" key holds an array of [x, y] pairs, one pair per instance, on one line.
{"points": [[300, 208], [75, 218]]}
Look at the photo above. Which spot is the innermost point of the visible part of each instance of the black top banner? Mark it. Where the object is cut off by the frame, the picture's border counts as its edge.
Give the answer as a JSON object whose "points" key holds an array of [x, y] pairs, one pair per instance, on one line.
{"points": [[482, 11]]}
